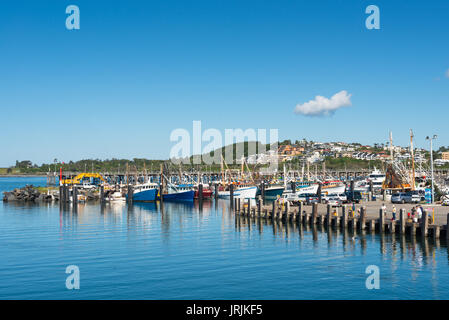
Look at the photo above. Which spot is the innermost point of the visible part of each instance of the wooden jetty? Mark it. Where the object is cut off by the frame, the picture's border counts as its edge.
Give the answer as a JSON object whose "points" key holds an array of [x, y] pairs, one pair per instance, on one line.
{"points": [[340, 218]]}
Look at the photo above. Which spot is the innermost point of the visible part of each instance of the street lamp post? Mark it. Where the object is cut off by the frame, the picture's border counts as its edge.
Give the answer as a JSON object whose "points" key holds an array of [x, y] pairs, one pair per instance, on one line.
{"points": [[431, 161]]}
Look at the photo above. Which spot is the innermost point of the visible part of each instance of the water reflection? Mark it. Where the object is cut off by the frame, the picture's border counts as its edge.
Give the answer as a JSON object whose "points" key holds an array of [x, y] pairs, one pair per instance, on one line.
{"points": [[418, 251]]}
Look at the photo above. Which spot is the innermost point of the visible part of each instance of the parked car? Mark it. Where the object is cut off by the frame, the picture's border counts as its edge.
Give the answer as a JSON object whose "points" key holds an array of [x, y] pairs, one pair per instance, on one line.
{"points": [[357, 196], [311, 198], [342, 196], [291, 197], [398, 197], [414, 197], [406, 197], [334, 201]]}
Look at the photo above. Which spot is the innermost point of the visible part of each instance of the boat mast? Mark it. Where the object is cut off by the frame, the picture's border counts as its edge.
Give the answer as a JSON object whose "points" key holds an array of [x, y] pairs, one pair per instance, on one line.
{"points": [[285, 178], [391, 146], [413, 159]]}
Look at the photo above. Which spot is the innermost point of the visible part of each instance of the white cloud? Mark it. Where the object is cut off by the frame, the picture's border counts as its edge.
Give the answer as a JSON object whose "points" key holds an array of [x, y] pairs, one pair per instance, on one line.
{"points": [[322, 106]]}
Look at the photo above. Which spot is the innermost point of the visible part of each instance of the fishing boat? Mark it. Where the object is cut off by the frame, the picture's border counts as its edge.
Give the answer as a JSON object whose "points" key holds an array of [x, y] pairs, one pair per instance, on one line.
{"points": [[333, 187], [240, 191], [207, 191], [311, 188], [145, 192], [116, 197], [180, 192], [272, 192], [377, 178]]}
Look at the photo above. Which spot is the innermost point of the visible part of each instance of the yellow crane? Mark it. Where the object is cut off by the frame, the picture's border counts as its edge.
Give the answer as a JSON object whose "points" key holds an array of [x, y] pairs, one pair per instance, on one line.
{"points": [[81, 176]]}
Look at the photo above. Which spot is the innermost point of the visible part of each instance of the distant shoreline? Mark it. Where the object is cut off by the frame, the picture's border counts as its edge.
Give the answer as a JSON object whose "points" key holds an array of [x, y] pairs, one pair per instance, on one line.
{"points": [[21, 175]]}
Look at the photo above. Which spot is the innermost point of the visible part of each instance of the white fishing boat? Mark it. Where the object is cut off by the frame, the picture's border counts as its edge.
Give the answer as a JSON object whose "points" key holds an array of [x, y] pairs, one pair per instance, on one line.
{"points": [[377, 178], [116, 197], [333, 187], [239, 192], [307, 188]]}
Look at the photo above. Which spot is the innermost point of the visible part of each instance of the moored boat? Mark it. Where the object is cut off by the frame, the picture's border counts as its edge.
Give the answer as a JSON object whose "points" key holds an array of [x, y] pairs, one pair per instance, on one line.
{"points": [[240, 191], [145, 192], [180, 192], [207, 191], [272, 192]]}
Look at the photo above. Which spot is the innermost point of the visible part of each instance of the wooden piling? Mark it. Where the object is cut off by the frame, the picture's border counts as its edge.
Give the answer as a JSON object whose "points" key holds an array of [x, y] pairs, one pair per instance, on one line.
{"points": [[392, 226], [131, 194], [372, 225], [216, 191], [328, 215], [75, 195], [362, 218], [402, 221], [412, 229], [300, 217], [436, 232], [102, 193], [200, 193], [61, 196], [381, 220], [314, 212], [424, 224], [231, 194], [344, 217], [286, 209]]}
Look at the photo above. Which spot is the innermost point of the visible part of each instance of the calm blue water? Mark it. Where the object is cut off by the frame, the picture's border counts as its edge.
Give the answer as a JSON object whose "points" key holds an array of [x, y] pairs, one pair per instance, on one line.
{"points": [[180, 252]]}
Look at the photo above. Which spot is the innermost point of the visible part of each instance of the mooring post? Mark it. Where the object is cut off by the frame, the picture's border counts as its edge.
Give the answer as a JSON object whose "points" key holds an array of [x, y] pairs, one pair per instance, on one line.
{"points": [[286, 209], [436, 232], [231, 194], [216, 191], [328, 215], [319, 192], [381, 220], [402, 220], [131, 194], [75, 195], [314, 212], [362, 218], [424, 224], [344, 217], [273, 212], [61, 191], [259, 205], [239, 204], [235, 205], [412, 229], [200, 193], [102, 193], [262, 191]]}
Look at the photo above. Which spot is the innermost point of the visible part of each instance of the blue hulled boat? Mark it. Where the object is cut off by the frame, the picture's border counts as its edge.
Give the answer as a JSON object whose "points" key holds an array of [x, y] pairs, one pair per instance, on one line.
{"points": [[182, 192], [145, 192]]}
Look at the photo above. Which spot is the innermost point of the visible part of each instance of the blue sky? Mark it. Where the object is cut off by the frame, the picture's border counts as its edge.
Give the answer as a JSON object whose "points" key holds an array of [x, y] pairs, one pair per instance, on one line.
{"points": [[136, 70]]}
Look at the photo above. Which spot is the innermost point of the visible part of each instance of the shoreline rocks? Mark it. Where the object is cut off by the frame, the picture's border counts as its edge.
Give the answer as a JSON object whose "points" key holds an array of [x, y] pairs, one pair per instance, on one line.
{"points": [[25, 194]]}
